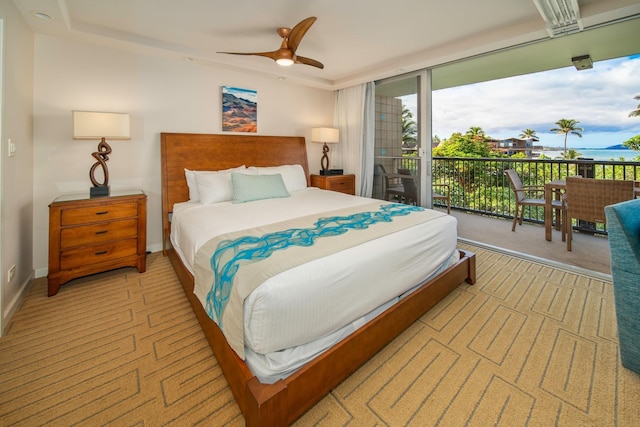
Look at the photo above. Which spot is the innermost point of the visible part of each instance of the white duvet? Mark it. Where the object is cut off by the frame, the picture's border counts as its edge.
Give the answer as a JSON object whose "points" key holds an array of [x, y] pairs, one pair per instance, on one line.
{"points": [[314, 302]]}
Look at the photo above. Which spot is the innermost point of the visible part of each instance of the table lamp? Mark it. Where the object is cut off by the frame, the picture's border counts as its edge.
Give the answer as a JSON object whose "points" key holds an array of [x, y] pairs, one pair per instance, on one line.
{"points": [[325, 136], [94, 125]]}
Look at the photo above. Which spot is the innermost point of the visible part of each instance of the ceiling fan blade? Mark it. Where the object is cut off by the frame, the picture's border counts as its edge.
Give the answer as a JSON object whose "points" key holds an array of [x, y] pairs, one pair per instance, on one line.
{"points": [[308, 61], [299, 31], [271, 55], [290, 41]]}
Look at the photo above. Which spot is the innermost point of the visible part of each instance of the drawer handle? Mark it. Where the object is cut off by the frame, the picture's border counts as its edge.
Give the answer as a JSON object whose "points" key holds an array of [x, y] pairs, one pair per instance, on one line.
{"points": [[101, 253], [102, 232], [102, 213]]}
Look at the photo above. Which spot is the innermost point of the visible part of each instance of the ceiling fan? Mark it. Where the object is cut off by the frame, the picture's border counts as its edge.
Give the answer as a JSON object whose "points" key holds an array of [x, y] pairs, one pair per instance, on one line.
{"points": [[291, 38]]}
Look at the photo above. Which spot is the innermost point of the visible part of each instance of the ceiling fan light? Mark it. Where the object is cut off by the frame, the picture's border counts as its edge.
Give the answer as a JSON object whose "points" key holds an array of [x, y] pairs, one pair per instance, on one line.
{"points": [[285, 62]]}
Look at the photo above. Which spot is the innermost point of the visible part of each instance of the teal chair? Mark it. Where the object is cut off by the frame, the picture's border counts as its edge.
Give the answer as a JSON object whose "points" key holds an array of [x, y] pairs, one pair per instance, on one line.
{"points": [[623, 225]]}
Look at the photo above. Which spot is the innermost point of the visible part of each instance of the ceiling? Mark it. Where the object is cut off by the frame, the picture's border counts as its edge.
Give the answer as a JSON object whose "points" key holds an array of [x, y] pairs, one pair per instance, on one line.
{"points": [[356, 40]]}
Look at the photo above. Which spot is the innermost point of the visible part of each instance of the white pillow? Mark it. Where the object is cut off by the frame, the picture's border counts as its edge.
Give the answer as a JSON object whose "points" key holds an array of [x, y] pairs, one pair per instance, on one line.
{"points": [[249, 187], [194, 194], [293, 175]]}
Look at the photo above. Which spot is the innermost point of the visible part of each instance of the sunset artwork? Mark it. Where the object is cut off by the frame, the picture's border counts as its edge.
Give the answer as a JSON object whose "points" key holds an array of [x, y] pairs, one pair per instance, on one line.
{"points": [[239, 110]]}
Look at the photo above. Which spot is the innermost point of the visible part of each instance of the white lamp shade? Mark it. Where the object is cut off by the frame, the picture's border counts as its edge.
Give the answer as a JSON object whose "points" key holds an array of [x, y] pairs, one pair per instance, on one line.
{"points": [[96, 125], [328, 135]]}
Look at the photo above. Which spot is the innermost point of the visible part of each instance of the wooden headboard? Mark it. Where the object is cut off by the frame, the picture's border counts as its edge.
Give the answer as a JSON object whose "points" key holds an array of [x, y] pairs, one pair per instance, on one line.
{"points": [[216, 152]]}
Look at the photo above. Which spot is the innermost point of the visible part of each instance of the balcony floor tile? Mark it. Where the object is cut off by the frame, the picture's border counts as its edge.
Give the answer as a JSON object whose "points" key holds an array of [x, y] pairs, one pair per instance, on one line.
{"points": [[588, 251]]}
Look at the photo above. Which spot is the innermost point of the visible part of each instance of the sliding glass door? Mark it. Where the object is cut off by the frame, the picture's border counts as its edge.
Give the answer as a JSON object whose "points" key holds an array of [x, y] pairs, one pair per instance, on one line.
{"points": [[402, 169]]}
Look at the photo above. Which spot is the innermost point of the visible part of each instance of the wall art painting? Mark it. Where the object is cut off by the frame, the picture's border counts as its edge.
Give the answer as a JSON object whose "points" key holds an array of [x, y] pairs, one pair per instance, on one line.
{"points": [[239, 110]]}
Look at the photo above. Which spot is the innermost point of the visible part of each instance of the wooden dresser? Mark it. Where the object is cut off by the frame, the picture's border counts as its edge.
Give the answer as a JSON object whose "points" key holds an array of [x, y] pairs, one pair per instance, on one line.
{"points": [[341, 183], [92, 235]]}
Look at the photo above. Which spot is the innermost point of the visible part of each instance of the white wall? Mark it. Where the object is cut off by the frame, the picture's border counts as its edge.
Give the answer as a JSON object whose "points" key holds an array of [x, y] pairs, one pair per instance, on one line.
{"points": [[162, 94], [16, 182]]}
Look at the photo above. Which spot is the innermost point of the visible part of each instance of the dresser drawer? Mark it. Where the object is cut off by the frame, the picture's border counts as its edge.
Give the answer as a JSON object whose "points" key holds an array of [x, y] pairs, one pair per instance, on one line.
{"points": [[89, 214], [97, 233], [342, 185], [94, 254]]}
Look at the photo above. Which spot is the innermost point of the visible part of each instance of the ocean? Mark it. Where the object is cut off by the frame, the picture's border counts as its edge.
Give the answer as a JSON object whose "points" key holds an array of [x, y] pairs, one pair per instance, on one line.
{"points": [[597, 154]]}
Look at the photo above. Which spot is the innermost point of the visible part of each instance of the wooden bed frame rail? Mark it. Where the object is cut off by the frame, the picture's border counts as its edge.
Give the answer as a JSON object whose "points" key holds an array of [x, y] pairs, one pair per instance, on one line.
{"points": [[281, 403]]}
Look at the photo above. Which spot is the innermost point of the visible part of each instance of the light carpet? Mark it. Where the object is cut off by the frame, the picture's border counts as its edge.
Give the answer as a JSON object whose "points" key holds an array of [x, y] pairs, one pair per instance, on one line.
{"points": [[528, 345]]}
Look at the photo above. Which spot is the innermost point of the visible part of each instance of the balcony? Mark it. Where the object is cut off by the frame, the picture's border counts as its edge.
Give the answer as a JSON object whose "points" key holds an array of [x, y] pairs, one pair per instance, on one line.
{"points": [[483, 203]]}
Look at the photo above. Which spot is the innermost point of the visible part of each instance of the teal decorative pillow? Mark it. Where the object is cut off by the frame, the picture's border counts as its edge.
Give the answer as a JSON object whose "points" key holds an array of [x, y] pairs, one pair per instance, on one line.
{"points": [[247, 188]]}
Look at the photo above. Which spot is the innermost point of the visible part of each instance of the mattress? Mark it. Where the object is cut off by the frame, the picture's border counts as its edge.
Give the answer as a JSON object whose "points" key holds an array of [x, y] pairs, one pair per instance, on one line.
{"points": [[276, 365], [340, 291]]}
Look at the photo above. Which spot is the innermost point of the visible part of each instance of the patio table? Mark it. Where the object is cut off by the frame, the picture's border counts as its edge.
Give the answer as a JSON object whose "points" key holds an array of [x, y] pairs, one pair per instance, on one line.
{"points": [[550, 189]]}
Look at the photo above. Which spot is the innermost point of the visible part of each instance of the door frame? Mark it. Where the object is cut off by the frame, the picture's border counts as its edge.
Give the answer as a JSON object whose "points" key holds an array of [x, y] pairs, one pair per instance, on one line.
{"points": [[419, 82]]}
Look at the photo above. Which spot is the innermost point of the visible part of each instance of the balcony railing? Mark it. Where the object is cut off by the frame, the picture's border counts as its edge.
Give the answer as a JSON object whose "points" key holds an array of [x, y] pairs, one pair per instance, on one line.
{"points": [[479, 185]]}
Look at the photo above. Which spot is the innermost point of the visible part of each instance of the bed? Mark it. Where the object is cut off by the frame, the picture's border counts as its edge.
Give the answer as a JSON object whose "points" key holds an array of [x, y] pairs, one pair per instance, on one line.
{"points": [[282, 399]]}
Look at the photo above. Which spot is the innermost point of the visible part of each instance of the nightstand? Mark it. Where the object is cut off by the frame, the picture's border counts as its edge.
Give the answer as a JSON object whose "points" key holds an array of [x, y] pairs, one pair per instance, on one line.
{"points": [[92, 235], [341, 183]]}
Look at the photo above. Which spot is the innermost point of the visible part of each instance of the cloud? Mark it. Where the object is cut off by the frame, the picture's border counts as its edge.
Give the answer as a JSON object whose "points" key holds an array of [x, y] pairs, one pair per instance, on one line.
{"points": [[600, 99]]}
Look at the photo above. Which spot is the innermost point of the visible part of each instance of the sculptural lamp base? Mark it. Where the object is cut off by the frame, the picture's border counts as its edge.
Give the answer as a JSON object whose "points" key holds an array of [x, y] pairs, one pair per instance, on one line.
{"points": [[99, 191], [92, 125]]}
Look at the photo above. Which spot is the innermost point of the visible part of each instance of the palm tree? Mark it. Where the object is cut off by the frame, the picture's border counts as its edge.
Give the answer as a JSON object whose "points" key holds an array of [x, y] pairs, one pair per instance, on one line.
{"points": [[529, 134], [567, 126], [633, 143], [476, 132], [409, 129], [572, 154], [636, 112]]}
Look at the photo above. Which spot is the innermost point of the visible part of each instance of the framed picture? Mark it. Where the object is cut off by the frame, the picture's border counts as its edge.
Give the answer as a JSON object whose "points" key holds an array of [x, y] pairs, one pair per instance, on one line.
{"points": [[239, 110]]}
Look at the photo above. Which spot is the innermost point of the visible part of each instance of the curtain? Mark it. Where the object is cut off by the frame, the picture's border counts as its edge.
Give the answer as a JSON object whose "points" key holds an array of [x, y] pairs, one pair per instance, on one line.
{"points": [[355, 118]]}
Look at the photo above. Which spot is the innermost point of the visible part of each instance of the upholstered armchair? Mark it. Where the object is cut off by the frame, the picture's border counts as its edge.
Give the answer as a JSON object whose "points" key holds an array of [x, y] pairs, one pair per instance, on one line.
{"points": [[623, 225]]}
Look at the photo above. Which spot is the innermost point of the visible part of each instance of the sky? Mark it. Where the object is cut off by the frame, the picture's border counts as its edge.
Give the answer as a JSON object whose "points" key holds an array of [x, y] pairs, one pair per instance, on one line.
{"points": [[600, 99]]}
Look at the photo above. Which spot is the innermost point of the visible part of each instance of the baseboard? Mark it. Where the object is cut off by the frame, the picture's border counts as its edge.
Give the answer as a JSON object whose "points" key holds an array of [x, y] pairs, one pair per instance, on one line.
{"points": [[15, 303]]}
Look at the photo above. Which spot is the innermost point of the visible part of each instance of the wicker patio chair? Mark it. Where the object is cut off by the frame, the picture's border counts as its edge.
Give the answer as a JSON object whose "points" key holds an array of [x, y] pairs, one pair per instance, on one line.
{"points": [[585, 199], [443, 194], [411, 190], [410, 187], [530, 195], [390, 190], [407, 191]]}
